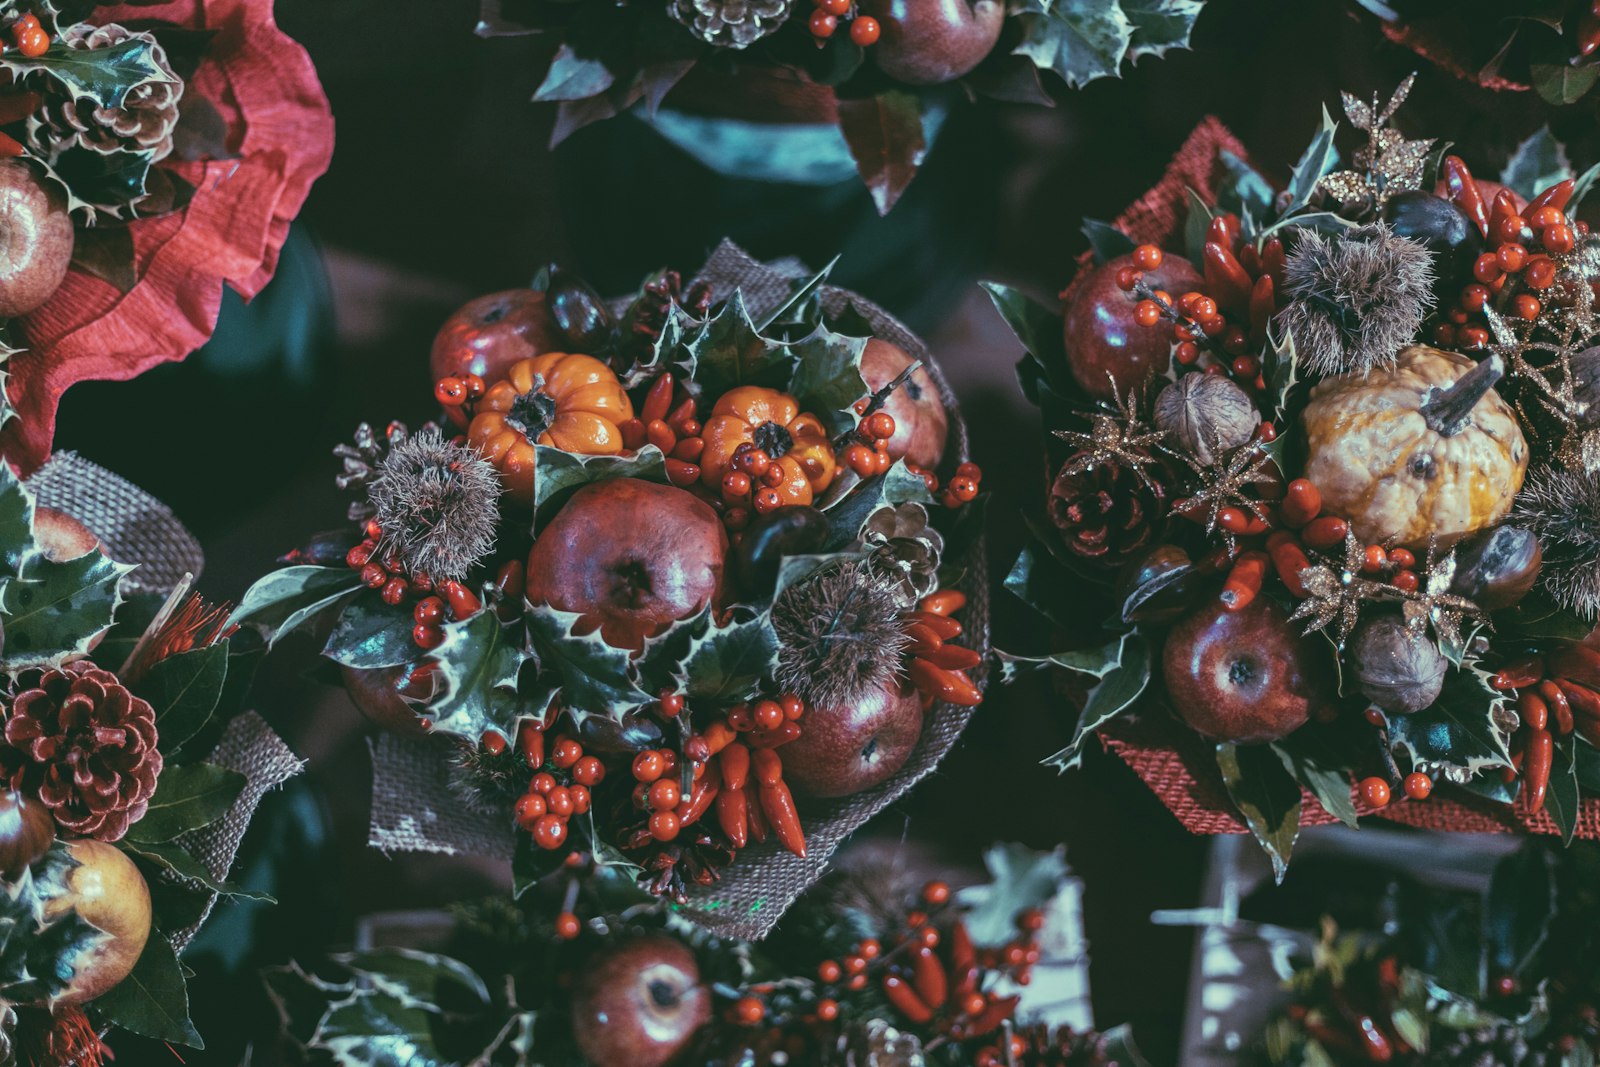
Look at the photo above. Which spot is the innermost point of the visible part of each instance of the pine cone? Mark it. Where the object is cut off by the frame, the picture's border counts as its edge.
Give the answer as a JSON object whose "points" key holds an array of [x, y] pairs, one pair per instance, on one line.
{"points": [[903, 546], [86, 746], [730, 23], [1107, 512], [144, 122], [875, 1043]]}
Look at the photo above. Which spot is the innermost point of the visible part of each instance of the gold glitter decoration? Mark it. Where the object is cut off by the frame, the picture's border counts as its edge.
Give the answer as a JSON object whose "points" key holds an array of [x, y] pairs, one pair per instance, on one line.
{"points": [[1119, 437], [1336, 592], [1387, 164], [1432, 603], [1222, 483]]}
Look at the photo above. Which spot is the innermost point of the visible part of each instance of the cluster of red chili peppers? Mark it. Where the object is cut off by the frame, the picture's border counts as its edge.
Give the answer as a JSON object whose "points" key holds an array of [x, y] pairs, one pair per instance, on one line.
{"points": [[1557, 693], [938, 668]]}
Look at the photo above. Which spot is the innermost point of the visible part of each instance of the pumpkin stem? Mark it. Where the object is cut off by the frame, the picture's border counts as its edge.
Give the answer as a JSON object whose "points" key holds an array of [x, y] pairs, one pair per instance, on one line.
{"points": [[1448, 411], [532, 412], [772, 439]]}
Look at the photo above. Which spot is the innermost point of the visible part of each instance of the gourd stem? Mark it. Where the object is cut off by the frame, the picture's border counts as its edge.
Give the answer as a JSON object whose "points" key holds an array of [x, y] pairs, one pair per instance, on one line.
{"points": [[1448, 411]]}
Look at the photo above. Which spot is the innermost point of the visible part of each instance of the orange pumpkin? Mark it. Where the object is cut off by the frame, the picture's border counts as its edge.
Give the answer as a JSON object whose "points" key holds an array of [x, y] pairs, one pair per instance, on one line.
{"points": [[569, 401], [796, 443]]}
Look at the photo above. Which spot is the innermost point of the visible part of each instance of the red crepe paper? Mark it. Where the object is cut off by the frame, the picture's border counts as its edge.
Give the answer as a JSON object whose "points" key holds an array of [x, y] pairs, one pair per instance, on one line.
{"points": [[280, 129]]}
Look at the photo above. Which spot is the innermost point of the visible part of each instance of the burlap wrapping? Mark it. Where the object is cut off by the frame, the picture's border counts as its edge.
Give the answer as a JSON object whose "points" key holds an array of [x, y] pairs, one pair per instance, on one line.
{"points": [[1173, 761], [134, 527], [413, 811]]}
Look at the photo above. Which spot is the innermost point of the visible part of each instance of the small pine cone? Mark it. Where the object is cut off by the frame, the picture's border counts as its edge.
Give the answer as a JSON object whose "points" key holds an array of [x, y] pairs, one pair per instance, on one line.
{"points": [[86, 746], [1107, 512], [903, 546], [731, 23], [144, 122]]}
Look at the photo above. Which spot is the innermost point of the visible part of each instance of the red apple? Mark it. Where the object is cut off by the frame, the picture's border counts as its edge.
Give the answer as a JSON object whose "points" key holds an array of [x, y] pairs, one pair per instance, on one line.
{"points": [[850, 748], [1103, 342], [485, 336], [926, 42], [640, 1004], [378, 693], [36, 239], [631, 556], [60, 536], [921, 424], [1243, 675]]}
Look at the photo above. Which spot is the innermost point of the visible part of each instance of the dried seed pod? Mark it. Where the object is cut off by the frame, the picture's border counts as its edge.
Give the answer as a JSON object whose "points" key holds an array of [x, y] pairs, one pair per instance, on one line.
{"points": [[1498, 568], [1207, 414], [1395, 667]]}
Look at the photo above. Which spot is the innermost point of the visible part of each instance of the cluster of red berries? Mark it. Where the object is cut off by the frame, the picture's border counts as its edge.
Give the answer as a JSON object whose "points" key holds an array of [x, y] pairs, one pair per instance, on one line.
{"points": [[395, 586], [864, 29], [868, 455], [751, 483], [560, 785], [29, 37], [1513, 277], [658, 791], [1376, 792], [457, 394], [1217, 329]]}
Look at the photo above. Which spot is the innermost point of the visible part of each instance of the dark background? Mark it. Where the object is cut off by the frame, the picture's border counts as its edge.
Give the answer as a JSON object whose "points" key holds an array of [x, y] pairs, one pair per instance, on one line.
{"points": [[442, 187]]}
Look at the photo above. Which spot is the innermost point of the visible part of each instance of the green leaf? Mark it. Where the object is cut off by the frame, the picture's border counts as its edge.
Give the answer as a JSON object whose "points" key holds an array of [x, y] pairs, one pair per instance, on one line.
{"points": [[1538, 617], [1518, 910], [729, 351], [371, 635], [187, 798], [1581, 188], [1561, 83], [1306, 756], [531, 864], [1019, 878], [859, 502], [415, 978], [727, 664], [588, 676], [885, 137], [478, 664], [1118, 1047], [827, 376], [573, 77], [1042, 583], [16, 522], [1158, 27], [1123, 670], [184, 690], [1561, 799], [288, 598], [53, 611], [1105, 240], [176, 859], [1039, 328], [153, 1001], [1268, 797], [103, 75], [376, 1030], [1080, 40], [1538, 163], [1317, 160], [556, 472], [1196, 227], [802, 305], [1466, 728]]}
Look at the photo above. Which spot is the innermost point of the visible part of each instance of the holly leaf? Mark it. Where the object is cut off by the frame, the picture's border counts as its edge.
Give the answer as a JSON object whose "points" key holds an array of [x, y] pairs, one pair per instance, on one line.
{"points": [[53, 611], [371, 635], [187, 798], [478, 665], [827, 376], [1282, 371], [153, 1001], [16, 523], [1581, 188], [884, 134], [1105, 240], [729, 351], [1307, 756], [1318, 159], [587, 675], [1039, 329], [184, 690], [1537, 617], [1268, 797], [416, 979], [727, 664], [175, 859], [1465, 732], [1160, 25], [1042, 583], [1020, 878], [1517, 910], [557, 472], [1562, 83], [286, 599], [1538, 163], [573, 77], [372, 1029], [103, 75], [848, 513], [531, 864], [1080, 40], [802, 306], [1123, 670], [1561, 799], [1116, 1045]]}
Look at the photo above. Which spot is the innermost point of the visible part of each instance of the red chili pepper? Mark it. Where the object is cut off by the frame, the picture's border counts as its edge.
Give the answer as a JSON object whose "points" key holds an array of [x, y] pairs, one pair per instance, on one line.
{"points": [[1560, 709], [718, 736], [767, 765], [660, 434], [734, 763], [1533, 711], [633, 436], [1519, 673], [1225, 276], [1244, 581], [1536, 768], [464, 603], [781, 735], [681, 414], [688, 450], [1463, 192], [945, 602], [777, 804], [1302, 502], [733, 815], [1588, 33], [690, 810], [1273, 259], [905, 1000], [927, 974], [1289, 559], [682, 474], [950, 686], [530, 742], [1555, 196], [1575, 662], [1585, 702], [1224, 229], [1322, 534], [999, 1010], [1263, 304], [952, 657], [758, 820], [923, 639], [658, 401], [947, 628]]}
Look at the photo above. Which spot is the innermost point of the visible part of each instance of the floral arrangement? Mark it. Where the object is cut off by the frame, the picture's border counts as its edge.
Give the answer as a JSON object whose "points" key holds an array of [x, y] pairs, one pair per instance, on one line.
{"points": [[866, 970], [150, 152], [116, 828], [1327, 453], [868, 65], [672, 581], [1459, 981]]}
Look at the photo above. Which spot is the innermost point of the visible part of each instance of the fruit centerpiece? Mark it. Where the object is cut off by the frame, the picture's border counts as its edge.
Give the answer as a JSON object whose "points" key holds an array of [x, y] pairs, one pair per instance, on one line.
{"points": [[690, 586], [1327, 454], [882, 71]]}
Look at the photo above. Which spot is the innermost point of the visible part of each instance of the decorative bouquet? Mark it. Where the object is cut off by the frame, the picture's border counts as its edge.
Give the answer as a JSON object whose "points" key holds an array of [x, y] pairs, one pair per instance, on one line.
{"points": [[1328, 453], [149, 152], [679, 592], [873, 67], [117, 828], [865, 970]]}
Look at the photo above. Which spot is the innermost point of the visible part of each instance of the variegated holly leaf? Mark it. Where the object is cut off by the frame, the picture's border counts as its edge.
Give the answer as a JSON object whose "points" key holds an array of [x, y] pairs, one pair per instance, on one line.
{"points": [[1019, 879], [1464, 733], [371, 635], [51, 612], [1319, 158], [288, 598], [1123, 670], [729, 351], [1282, 371], [16, 522], [1266, 795], [1538, 163], [827, 376], [1160, 25], [103, 75], [579, 672], [852, 501], [36, 958], [558, 472], [1082, 40], [153, 1001], [416, 979], [726, 664], [372, 1029], [478, 664]]}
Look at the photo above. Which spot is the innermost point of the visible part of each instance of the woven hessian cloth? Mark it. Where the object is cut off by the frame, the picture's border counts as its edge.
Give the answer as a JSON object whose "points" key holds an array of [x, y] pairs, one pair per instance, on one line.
{"points": [[413, 809], [1177, 765]]}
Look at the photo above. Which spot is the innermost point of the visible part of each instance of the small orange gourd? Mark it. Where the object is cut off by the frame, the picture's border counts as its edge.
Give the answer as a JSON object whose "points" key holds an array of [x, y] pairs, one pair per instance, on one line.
{"points": [[796, 443]]}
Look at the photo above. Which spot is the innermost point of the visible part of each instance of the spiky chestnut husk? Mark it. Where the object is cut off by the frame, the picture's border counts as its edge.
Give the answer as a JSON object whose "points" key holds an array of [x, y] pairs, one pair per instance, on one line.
{"points": [[1562, 508], [840, 634], [488, 782], [1355, 300], [437, 504]]}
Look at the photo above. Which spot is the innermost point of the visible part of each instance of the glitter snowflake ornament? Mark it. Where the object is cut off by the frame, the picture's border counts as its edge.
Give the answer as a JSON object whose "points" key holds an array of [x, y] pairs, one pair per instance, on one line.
{"points": [[1387, 164]]}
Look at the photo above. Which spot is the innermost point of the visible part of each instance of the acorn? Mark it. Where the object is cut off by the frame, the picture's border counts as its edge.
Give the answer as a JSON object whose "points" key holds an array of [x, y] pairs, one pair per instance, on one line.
{"points": [[1158, 586], [1395, 667], [1206, 414], [796, 529], [1498, 567], [26, 833]]}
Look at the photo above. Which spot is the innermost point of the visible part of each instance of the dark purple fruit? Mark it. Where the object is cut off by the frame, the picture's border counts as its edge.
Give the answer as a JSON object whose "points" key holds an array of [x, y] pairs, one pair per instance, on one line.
{"points": [[794, 530], [1441, 228]]}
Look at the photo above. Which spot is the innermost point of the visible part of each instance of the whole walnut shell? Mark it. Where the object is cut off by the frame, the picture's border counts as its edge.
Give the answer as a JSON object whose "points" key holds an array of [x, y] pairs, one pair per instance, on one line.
{"points": [[1207, 414], [1396, 668]]}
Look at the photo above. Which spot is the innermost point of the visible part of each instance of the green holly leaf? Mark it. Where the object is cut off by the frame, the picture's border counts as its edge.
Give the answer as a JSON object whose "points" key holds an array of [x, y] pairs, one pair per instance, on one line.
{"points": [[1562, 83], [153, 1001], [103, 75], [573, 77], [827, 376], [373, 1029], [857, 502], [1319, 158], [1080, 40], [1160, 25], [727, 664], [1561, 799], [885, 137], [803, 307], [1039, 580], [1105, 240], [1123, 670], [416, 979], [557, 473], [184, 690], [588, 676], [173, 858], [1467, 730], [16, 523], [1019, 879], [1282, 372], [729, 351], [187, 798], [1316, 765], [1538, 163], [1044, 362], [1536, 617], [371, 635], [478, 664], [53, 611], [1268, 797], [287, 599]]}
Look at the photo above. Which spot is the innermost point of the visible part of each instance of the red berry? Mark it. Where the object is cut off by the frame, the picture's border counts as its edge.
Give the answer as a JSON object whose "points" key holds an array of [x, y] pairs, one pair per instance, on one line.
{"points": [[823, 24], [580, 798], [735, 485], [1374, 792], [1547, 216], [588, 771], [1402, 557], [1527, 306], [1405, 581], [1147, 313], [766, 499], [767, 715], [1541, 273], [542, 783], [566, 753], [1486, 268], [879, 425], [1127, 278], [429, 610], [664, 826], [835, 7], [451, 392], [550, 832], [936, 893], [829, 971], [394, 591], [827, 1009], [567, 926], [793, 707], [427, 637], [865, 30], [664, 794], [1510, 258], [648, 766], [559, 801], [530, 808], [1418, 785], [1147, 257], [749, 1011]]}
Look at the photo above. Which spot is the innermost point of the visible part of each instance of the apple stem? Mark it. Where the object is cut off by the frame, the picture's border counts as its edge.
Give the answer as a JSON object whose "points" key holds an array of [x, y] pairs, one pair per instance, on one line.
{"points": [[878, 399]]}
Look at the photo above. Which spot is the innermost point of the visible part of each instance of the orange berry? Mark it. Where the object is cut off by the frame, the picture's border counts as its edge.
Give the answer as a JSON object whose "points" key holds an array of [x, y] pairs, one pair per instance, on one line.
{"points": [[1418, 785], [1374, 792], [865, 30], [823, 24], [567, 926]]}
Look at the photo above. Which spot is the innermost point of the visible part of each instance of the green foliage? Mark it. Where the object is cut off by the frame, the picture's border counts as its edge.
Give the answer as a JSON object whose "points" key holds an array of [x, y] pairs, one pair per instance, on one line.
{"points": [[1467, 728], [104, 75], [1082, 40], [52, 611], [588, 676], [371, 635], [153, 1001], [1266, 795], [288, 598], [1538, 163], [885, 136], [478, 664], [184, 690], [1019, 879], [1123, 668], [187, 798]]}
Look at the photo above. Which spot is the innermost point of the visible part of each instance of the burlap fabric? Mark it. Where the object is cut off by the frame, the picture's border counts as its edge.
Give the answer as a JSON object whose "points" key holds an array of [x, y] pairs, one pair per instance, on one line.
{"points": [[1173, 761], [413, 810]]}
